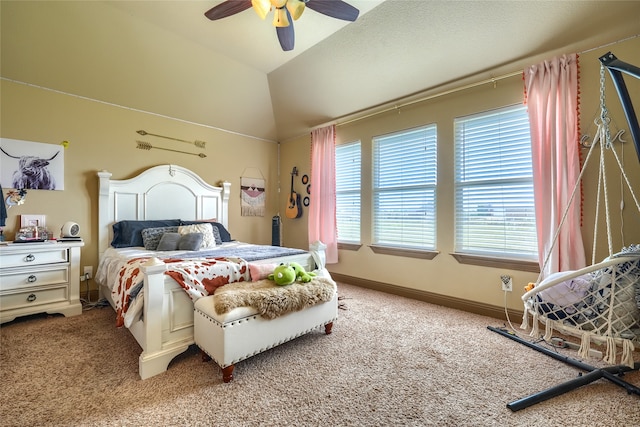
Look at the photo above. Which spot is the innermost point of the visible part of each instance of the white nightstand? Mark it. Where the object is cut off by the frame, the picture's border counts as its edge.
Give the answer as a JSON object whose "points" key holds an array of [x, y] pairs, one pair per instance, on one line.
{"points": [[39, 278]]}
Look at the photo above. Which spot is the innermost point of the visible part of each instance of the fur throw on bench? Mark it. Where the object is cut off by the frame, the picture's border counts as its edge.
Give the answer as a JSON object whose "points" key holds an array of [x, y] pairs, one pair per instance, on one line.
{"points": [[272, 300]]}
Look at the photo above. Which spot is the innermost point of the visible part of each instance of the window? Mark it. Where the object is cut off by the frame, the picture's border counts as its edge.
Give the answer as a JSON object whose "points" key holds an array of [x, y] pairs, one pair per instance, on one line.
{"points": [[404, 187], [348, 166], [494, 210]]}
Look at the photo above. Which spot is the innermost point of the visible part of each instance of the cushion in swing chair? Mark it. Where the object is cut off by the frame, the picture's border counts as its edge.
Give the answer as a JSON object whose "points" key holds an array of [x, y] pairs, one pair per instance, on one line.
{"points": [[601, 305]]}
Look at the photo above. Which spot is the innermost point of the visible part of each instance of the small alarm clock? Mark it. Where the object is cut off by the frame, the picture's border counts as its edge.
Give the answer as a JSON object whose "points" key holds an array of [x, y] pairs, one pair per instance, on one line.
{"points": [[70, 229]]}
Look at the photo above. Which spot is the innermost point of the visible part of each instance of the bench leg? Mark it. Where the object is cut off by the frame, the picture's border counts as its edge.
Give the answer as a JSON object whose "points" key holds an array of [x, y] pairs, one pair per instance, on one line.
{"points": [[327, 328], [227, 373]]}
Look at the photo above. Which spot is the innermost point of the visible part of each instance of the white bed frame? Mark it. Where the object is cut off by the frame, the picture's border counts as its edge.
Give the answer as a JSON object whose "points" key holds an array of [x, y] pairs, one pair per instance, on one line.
{"points": [[167, 192]]}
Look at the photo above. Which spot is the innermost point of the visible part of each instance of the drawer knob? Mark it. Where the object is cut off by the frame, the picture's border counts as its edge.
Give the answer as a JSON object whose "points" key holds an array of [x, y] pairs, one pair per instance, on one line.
{"points": [[31, 297], [31, 278], [30, 258]]}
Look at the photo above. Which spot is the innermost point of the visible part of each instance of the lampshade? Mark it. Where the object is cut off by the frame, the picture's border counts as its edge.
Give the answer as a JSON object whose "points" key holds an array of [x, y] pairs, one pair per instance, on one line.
{"points": [[262, 7], [280, 18], [295, 8]]}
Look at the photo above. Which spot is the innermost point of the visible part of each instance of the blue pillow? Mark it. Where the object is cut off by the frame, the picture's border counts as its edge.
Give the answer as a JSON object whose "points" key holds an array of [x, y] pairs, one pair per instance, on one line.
{"points": [[225, 236], [128, 233]]}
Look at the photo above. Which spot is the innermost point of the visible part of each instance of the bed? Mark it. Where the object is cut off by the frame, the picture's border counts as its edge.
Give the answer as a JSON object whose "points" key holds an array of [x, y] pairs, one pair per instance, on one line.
{"points": [[164, 326]]}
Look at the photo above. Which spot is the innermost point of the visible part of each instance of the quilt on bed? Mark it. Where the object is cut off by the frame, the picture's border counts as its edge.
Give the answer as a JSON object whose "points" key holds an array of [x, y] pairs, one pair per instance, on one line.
{"points": [[197, 277], [248, 252]]}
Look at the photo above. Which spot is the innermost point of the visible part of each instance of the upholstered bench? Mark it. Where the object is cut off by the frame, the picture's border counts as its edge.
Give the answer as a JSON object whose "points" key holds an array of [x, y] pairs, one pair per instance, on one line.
{"points": [[243, 332]]}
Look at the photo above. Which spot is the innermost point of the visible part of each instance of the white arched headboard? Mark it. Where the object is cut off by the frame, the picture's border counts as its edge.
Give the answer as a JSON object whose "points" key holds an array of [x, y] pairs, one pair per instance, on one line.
{"points": [[160, 192]]}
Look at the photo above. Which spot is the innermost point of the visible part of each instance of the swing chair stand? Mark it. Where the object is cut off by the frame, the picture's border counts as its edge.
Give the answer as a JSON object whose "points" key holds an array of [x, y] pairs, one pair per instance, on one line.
{"points": [[611, 373], [616, 67]]}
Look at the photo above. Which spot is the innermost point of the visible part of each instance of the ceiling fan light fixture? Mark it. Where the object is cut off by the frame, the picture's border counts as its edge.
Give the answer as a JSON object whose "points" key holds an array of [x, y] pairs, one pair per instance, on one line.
{"points": [[280, 18], [295, 8], [278, 3], [284, 12], [262, 7]]}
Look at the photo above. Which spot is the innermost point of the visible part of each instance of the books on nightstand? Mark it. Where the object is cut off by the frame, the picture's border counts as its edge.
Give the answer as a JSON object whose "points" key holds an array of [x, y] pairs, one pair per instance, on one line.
{"points": [[70, 239]]}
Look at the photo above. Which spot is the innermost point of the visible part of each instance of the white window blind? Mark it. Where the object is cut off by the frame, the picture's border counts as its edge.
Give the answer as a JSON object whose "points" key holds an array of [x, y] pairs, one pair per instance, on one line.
{"points": [[348, 171], [495, 213], [404, 188]]}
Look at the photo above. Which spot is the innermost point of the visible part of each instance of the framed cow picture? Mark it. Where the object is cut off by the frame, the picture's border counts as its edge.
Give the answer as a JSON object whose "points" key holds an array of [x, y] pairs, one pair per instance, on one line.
{"points": [[31, 165]]}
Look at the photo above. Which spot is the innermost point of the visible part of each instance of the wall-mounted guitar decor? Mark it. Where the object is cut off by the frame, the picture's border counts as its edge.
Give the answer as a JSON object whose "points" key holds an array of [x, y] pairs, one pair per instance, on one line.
{"points": [[294, 209]]}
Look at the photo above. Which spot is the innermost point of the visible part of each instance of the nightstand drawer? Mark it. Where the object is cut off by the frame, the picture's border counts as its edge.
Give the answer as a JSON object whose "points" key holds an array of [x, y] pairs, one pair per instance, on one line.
{"points": [[34, 297], [27, 257], [34, 277]]}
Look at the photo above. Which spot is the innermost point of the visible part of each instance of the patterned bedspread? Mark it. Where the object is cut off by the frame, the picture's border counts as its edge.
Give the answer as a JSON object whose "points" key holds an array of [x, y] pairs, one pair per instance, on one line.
{"points": [[197, 276]]}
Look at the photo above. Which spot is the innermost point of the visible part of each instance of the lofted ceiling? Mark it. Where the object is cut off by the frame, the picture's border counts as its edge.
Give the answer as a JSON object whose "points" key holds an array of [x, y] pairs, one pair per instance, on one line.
{"points": [[243, 36], [166, 57]]}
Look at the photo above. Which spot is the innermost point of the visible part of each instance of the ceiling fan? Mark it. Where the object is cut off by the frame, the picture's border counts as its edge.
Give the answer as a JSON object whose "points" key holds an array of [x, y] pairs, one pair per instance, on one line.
{"points": [[284, 11]]}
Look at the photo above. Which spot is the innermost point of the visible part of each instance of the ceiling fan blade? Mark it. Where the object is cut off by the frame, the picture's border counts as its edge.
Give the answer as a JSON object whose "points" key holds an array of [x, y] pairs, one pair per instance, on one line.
{"points": [[335, 9], [228, 8], [286, 35]]}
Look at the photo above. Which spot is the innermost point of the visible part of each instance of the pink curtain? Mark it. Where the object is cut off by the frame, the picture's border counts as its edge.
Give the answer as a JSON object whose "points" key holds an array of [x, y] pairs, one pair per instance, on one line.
{"points": [[322, 207], [552, 100]]}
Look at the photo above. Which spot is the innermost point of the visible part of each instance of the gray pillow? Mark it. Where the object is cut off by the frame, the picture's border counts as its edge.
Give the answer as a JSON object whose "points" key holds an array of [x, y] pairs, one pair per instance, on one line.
{"points": [[216, 236], [151, 236], [169, 242], [190, 242]]}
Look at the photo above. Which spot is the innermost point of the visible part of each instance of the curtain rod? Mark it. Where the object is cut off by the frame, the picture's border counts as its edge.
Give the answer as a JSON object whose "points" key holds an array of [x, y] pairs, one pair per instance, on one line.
{"points": [[435, 95], [457, 89]]}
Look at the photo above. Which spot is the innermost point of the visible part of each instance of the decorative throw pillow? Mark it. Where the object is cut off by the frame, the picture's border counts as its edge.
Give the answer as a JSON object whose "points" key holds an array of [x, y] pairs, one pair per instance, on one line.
{"points": [[223, 233], [151, 236], [190, 242], [208, 240], [216, 235], [169, 241], [260, 271]]}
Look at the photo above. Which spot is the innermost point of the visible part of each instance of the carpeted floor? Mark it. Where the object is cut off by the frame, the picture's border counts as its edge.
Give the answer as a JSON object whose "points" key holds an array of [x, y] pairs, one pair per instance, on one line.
{"points": [[390, 361]]}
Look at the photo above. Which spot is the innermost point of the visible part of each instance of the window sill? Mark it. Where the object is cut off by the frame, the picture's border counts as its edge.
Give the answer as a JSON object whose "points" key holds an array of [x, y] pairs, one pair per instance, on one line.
{"points": [[486, 261], [410, 253], [349, 246]]}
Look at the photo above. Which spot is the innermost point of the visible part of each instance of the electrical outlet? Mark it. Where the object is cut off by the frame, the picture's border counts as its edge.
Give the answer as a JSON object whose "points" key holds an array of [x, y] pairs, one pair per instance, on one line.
{"points": [[88, 272], [506, 282]]}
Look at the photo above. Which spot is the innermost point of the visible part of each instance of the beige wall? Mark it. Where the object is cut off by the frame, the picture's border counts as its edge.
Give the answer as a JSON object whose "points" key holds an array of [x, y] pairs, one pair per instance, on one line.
{"points": [[103, 137], [444, 275]]}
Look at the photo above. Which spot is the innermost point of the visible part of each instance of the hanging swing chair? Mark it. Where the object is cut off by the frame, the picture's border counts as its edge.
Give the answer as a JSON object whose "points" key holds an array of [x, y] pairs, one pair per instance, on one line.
{"points": [[599, 304]]}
